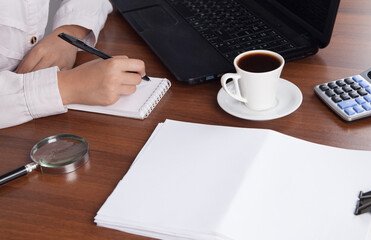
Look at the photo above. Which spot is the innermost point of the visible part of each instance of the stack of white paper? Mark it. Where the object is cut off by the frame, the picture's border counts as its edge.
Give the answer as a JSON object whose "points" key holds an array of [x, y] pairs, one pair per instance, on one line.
{"points": [[194, 181]]}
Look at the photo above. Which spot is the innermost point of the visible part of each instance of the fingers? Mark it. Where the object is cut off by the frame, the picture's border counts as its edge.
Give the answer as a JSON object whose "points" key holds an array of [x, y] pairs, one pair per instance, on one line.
{"points": [[129, 78], [121, 57], [47, 53], [134, 65], [27, 65], [129, 65], [39, 65], [32, 65], [126, 71]]}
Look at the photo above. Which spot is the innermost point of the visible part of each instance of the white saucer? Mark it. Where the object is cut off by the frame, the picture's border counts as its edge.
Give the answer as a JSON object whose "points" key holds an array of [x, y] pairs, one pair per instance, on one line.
{"points": [[289, 98]]}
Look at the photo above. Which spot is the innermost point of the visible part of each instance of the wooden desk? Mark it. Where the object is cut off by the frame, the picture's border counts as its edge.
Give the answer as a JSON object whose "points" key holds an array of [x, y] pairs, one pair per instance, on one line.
{"points": [[63, 207]]}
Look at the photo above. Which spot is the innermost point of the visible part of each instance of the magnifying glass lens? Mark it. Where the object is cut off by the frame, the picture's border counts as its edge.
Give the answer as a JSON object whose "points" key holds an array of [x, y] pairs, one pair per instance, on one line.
{"points": [[60, 152], [57, 154]]}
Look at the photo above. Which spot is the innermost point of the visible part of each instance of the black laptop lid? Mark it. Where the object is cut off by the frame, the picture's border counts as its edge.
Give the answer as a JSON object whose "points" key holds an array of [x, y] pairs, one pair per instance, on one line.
{"points": [[192, 59], [316, 16]]}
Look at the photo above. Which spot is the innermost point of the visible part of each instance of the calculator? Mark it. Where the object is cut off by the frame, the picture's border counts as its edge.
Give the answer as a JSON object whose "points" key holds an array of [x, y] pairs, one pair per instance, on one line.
{"points": [[349, 97]]}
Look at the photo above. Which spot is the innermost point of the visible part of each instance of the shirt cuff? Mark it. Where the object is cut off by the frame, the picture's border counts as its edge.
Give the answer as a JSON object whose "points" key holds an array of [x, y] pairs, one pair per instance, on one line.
{"points": [[42, 93], [89, 14]]}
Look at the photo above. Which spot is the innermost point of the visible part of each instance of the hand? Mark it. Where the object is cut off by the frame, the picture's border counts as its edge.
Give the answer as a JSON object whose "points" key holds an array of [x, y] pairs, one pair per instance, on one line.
{"points": [[52, 51], [100, 82]]}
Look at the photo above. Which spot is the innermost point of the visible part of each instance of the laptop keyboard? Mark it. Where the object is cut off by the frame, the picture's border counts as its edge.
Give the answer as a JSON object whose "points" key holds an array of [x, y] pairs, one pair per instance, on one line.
{"points": [[230, 27]]}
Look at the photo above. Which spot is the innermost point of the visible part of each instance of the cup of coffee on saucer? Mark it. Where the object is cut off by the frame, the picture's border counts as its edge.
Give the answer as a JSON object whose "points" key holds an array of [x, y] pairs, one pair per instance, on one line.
{"points": [[256, 91]]}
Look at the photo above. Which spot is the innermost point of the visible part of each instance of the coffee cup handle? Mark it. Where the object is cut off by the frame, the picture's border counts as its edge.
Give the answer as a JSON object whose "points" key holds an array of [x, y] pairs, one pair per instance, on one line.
{"points": [[235, 78]]}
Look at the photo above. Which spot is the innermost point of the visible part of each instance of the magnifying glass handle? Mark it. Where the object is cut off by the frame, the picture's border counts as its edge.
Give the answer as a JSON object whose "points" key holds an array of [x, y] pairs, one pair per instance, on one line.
{"points": [[16, 173]]}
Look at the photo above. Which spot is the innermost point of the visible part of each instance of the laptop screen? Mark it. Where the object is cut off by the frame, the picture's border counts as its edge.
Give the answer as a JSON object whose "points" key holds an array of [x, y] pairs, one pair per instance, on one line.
{"points": [[316, 16]]}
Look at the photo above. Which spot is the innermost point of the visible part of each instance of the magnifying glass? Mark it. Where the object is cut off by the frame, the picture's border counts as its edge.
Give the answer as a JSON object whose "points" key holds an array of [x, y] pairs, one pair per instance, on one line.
{"points": [[57, 154]]}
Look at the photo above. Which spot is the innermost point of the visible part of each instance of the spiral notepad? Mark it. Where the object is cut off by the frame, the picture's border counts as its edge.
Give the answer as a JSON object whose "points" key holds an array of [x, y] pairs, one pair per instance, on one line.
{"points": [[138, 105]]}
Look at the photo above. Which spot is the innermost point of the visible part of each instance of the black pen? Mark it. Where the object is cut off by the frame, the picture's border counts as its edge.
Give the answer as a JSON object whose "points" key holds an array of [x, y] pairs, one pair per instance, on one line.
{"points": [[83, 46]]}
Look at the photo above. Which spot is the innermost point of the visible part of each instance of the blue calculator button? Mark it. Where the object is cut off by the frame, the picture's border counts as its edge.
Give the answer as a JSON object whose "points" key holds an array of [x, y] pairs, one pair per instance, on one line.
{"points": [[366, 106], [363, 84], [358, 109], [368, 89], [357, 78], [368, 98], [347, 103], [349, 111], [360, 100]]}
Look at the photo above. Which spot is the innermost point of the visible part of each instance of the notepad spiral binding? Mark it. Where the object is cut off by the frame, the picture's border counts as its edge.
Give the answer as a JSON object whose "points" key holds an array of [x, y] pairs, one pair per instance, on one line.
{"points": [[155, 98]]}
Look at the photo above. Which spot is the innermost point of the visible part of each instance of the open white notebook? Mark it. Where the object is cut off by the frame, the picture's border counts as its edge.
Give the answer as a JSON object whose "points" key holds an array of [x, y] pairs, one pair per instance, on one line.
{"points": [[138, 105], [194, 181]]}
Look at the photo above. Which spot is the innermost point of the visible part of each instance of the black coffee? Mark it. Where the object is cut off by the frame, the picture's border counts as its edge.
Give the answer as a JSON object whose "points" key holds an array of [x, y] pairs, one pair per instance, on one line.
{"points": [[259, 62]]}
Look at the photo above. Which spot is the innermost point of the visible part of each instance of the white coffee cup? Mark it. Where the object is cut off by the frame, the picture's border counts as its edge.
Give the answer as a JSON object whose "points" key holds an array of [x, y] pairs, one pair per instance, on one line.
{"points": [[256, 80]]}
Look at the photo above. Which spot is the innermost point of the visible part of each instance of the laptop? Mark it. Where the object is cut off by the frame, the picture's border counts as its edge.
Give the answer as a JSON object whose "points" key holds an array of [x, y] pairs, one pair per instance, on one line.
{"points": [[198, 39]]}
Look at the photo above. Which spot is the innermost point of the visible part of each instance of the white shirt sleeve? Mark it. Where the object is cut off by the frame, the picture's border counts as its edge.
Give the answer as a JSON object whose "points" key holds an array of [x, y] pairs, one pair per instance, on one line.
{"points": [[91, 14], [24, 97]]}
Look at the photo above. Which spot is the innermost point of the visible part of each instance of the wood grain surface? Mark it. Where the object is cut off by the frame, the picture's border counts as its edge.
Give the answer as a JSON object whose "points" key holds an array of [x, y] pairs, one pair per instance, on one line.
{"points": [[63, 206]]}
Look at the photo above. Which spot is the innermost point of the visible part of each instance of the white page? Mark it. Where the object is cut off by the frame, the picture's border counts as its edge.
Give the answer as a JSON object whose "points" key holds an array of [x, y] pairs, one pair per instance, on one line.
{"points": [[209, 182], [301, 190], [185, 181]]}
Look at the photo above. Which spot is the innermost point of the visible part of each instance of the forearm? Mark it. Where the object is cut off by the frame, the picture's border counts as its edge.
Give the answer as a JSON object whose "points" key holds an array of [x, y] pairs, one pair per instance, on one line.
{"points": [[73, 30]]}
